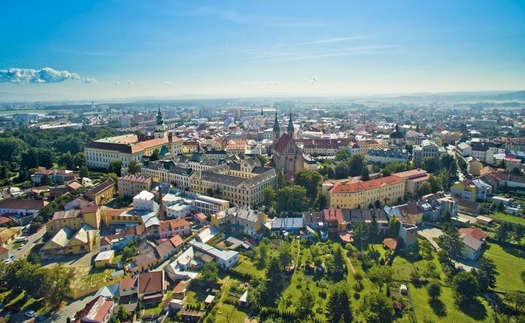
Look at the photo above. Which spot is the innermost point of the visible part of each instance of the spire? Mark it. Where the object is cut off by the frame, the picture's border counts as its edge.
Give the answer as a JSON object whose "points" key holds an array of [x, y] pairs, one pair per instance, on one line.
{"points": [[290, 124], [159, 118], [262, 113], [276, 124]]}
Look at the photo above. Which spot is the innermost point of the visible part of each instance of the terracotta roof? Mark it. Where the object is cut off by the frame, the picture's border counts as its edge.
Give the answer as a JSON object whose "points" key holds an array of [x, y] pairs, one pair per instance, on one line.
{"points": [[474, 232], [3, 250], [164, 249], [102, 186], [283, 141], [151, 282], [92, 208], [390, 243], [129, 282], [345, 237], [4, 220], [176, 241], [59, 215], [368, 185], [22, 204], [105, 241], [172, 224], [334, 215]]}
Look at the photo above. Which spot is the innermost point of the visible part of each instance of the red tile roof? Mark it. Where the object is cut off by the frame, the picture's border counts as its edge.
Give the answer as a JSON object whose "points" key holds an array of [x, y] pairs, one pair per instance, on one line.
{"points": [[283, 141], [390, 243], [474, 232], [367, 185], [128, 282], [334, 215], [176, 241], [151, 282]]}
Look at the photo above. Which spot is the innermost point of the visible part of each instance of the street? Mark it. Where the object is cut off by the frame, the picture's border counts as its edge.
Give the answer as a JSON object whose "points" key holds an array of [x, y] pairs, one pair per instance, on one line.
{"points": [[32, 240]]}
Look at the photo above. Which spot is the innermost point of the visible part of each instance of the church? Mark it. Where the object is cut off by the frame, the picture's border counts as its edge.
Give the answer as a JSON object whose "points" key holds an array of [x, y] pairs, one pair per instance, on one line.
{"points": [[286, 155]]}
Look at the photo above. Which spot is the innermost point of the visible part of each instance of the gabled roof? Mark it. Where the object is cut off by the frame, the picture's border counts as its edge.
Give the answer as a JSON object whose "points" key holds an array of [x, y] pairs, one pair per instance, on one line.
{"points": [[283, 141], [474, 232], [151, 282]]}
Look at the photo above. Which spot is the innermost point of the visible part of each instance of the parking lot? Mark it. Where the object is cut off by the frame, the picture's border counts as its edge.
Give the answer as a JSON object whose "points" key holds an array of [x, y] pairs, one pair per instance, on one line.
{"points": [[431, 234]]}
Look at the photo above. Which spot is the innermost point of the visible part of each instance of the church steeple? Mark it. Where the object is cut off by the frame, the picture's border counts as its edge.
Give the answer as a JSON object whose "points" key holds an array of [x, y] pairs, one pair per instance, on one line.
{"points": [[160, 121], [276, 124], [290, 128], [160, 127], [262, 113]]}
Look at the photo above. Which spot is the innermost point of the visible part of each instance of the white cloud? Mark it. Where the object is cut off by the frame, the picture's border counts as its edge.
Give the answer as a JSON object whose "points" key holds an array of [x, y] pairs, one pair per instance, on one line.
{"points": [[117, 82], [313, 80], [273, 83], [169, 83], [29, 75], [88, 80], [129, 82]]}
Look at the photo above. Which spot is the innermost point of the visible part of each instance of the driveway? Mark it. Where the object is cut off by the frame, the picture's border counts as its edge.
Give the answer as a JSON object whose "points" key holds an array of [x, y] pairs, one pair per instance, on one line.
{"points": [[430, 234]]}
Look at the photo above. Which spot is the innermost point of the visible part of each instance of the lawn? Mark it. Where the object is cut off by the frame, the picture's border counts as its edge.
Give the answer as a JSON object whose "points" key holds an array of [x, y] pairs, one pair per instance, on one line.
{"points": [[507, 217], [246, 266], [228, 313], [509, 262], [443, 308]]}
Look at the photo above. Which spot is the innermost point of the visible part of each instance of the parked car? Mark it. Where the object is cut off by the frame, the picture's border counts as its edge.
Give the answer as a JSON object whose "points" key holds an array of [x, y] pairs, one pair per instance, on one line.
{"points": [[16, 310], [12, 257], [20, 247], [8, 261], [40, 318], [30, 313]]}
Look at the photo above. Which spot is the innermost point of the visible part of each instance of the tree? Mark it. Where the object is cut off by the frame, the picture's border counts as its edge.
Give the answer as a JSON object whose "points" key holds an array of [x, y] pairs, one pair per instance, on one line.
{"points": [[285, 253], [486, 274], [83, 172], [338, 307], [30, 159], [522, 275], [451, 242], [268, 196], [45, 157], [45, 180], [115, 167], [128, 252], [357, 162], [342, 170], [134, 167], [122, 314], [465, 286], [262, 159], [154, 155], [327, 171], [79, 159], [305, 304], [321, 202], [377, 308], [365, 175], [380, 275], [431, 164], [434, 290], [394, 225], [58, 284], [66, 160], [209, 272], [342, 155], [262, 252], [435, 183], [310, 181], [274, 277], [280, 180], [292, 199], [339, 260], [424, 189], [517, 299]]}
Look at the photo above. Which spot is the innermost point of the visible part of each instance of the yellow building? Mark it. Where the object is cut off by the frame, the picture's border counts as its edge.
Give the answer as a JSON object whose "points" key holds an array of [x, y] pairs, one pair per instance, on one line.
{"points": [[120, 216], [74, 219], [68, 241], [242, 220], [103, 192], [100, 153], [366, 145], [104, 258], [356, 193]]}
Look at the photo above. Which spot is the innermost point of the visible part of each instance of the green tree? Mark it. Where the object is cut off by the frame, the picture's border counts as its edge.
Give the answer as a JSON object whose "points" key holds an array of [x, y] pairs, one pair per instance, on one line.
{"points": [[380, 275], [45, 180], [154, 155], [424, 189], [321, 202], [30, 159], [486, 274], [268, 196], [377, 308], [394, 225], [342, 154], [209, 272], [66, 160], [450, 241], [435, 183], [115, 167], [431, 164], [339, 260], [292, 199], [517, 299], [305, 304], [465, 286], [134, 167], [281, 183], [274, 277], [357, 162], [128, 253], [327, 171], [122, 314], [434, 290], [342, 170], [79, 160], [262, 252], [285, 253], [339, 306], [309, 180], [262, 159], [365, 175], [58, 284], [83, 172]]}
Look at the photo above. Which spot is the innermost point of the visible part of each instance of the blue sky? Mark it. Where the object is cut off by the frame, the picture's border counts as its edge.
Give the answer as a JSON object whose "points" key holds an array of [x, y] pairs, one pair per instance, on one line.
{"points": [[120, 49]]}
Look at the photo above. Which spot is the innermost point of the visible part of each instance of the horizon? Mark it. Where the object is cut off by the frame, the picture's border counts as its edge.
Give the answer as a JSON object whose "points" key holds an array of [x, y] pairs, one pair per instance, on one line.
{"points": [[130, 50]]}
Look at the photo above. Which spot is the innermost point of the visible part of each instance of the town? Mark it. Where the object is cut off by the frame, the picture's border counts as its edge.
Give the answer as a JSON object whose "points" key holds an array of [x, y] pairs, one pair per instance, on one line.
{"points": [[263, 211]]}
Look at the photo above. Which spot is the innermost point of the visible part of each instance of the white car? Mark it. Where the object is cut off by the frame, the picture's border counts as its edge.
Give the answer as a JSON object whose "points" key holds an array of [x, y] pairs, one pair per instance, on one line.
{"points": [[20, 247], [8, 261]]}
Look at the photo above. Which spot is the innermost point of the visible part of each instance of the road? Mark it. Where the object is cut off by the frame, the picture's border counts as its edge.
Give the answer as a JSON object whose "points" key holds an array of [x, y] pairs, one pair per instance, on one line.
{"points": [[32, 240]]}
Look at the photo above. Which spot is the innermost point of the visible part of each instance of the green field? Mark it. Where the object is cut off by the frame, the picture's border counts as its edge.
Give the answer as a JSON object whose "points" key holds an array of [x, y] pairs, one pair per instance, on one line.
{"points": [[507, 217], [509, 263]]}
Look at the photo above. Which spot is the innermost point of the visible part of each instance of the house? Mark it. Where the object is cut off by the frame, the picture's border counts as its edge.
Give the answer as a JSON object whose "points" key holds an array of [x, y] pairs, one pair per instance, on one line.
{"points": [[472, 247], [131, 185], [8, 235], [4, 254], [177, 242], [102, 193], [98, 310], [293, 225], [413, 179], [23, 211], [152, 286], [225, 258], [143, 261], [334, 220], [176, 270], [129, 286], [170, 228], [164, 250], [74, 219], [104, 258], [469, 207], [68, 241], [314, 220], [179, 292]]}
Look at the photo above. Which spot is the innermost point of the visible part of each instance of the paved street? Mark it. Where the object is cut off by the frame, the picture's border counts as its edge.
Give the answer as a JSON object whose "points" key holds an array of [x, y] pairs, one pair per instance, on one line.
{"points": [[32, 240], [430, 234]]}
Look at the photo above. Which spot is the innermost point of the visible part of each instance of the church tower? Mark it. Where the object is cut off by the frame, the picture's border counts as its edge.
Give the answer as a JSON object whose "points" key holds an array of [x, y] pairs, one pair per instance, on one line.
{"points": [[160, 127], [276, 130], [290, 128]]}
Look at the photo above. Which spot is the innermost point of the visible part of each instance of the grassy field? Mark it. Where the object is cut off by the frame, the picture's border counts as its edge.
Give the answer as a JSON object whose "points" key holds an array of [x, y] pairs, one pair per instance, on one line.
{"points": [[443, 309], [507, 217], [509, 262]]}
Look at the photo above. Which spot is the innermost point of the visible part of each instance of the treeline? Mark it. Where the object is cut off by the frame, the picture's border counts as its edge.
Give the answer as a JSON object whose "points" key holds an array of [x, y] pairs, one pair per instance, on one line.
{"points": [[22, 150]]}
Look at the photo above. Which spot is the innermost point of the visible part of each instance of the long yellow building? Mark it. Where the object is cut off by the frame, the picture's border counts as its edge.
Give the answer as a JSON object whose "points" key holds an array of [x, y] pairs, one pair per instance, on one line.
{"points": [[356, 193]]}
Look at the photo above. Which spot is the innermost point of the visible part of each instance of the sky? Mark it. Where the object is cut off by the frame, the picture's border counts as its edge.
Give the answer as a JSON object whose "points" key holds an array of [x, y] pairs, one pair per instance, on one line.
{"points": [[166, 49]]}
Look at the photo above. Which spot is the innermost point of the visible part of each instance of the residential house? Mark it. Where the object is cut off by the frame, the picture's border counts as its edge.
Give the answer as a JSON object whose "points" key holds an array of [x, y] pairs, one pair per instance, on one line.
{"points": [[152, 286], [8, 235], [365, 216], [413, 179], [104, 259], [225, 258], [22, 211], [131, 185], [170, 228], [426, 149], [99, 310], [68, 241], [102, 193], [129, 286], [334, 220]]}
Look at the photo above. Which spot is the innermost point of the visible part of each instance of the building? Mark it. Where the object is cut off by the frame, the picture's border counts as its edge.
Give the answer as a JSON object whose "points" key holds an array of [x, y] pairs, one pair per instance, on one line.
{"points": [[385, 156], [225, 258], [152, 286], [242, 220], [413, 179], [104, 258], [427, 149], [356, 193], [397, 138], [100, 153], [171, 228], [99, 310], [131, 185], [286, 154], [56, 176], [22, 207], [102, 193], [365, 145], [74, 219], [68, 241], [485, 151]]}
